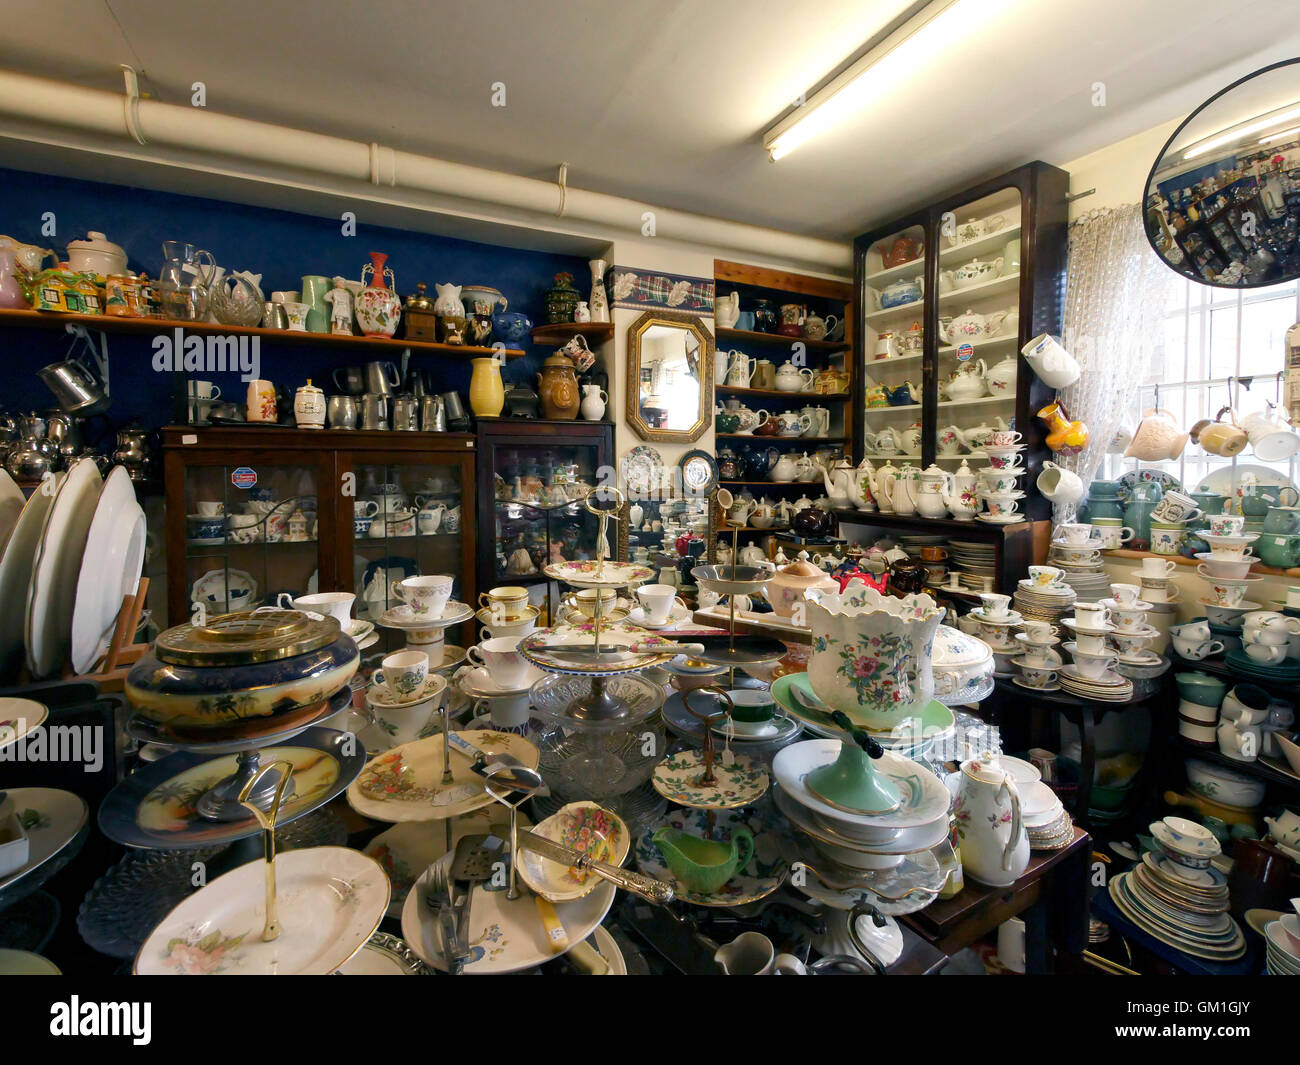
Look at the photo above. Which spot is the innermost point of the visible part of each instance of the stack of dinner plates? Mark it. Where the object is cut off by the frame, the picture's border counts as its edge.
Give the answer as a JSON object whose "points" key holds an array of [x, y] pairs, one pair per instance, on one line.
{"points": [[973, 560], [1186, 908], [1110, 687], [1044, 603]]}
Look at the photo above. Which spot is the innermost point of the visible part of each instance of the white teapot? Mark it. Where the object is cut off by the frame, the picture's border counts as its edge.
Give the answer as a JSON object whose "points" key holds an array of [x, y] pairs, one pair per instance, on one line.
{"points": [[1001, 378], [882, 487], [967, 380], [906, 485], [726, 309], [785, 469], [790, 378]]}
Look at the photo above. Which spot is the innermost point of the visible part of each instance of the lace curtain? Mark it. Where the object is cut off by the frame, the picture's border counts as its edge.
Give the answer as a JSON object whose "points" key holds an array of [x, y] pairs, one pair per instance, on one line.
{"points": [[1116, 294]]}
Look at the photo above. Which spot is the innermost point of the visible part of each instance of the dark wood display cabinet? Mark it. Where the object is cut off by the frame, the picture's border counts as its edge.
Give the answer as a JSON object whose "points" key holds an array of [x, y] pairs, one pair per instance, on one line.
{"points": [[314, 510], [524, 515], [947, 295]]}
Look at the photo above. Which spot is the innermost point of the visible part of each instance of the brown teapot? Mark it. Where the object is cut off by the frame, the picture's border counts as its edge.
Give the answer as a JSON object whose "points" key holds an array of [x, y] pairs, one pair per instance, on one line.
{"points": [[906, 577], [557, 384]]}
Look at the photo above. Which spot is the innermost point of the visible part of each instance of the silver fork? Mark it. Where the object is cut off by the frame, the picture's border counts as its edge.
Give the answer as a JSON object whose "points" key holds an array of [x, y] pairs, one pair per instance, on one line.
{"points": [[439, 898]]}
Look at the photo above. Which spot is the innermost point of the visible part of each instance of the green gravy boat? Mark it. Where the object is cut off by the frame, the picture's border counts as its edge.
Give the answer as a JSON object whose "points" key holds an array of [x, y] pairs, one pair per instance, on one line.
{"points": [[704, 865]]}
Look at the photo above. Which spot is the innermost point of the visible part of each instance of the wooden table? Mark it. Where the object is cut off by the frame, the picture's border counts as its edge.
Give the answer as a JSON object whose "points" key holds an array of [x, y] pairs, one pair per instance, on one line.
{"points": [[1052, 897]]}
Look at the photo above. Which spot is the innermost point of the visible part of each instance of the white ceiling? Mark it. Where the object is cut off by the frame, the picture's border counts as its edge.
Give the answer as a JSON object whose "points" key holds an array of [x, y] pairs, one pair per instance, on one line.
{"points": [[667, 102]]}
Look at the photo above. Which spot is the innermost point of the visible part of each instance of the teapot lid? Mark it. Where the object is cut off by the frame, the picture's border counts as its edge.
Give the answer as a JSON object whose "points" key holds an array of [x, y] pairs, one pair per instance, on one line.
{"points": [[802, 567], [308, 387], [987, 769], [558, 361], [96, 241]]}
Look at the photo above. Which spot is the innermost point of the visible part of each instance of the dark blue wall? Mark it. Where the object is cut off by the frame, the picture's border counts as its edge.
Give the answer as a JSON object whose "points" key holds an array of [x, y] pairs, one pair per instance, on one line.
{"points": [[280, 245]]}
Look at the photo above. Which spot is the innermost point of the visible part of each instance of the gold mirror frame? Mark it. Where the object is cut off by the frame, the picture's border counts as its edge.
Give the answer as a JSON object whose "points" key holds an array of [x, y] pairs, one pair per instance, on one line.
{"points": [[693, 323]]}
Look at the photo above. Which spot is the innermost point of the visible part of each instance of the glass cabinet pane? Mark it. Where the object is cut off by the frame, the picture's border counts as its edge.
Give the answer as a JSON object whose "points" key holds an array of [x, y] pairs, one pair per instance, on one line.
{"points": [[894, 343], [979, 325], [251, 533], [406, 521]]}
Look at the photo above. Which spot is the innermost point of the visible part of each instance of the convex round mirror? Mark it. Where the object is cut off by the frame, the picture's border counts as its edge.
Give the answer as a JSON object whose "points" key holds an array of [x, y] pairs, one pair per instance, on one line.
{"points": [[1223, 199]]}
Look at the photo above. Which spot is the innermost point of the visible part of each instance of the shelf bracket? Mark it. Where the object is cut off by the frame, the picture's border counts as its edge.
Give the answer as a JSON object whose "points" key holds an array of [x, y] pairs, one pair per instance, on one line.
{"points": [[83, 345]]}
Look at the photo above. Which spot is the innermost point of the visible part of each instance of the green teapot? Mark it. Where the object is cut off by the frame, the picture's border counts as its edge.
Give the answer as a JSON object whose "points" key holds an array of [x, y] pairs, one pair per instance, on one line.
{"points": [[704, 865], [1279, 549]]}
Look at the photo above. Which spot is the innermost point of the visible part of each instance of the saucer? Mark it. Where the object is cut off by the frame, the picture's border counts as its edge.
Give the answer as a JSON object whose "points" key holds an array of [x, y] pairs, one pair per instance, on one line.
{"points": [[1024, 640], [433, 687], [1050, 590], [1108, 679], [1114, 604], [1243, 606], [1145, 632], [1074, 626], [1011, 617], [1020, 682], [402, 617], [676, 616], [1147, 658], [1093, 544], [1004, 519]]}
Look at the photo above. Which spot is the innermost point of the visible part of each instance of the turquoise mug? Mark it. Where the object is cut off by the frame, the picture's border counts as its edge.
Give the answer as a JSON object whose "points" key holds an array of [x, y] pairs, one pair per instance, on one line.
{"points": [[745, 321]]}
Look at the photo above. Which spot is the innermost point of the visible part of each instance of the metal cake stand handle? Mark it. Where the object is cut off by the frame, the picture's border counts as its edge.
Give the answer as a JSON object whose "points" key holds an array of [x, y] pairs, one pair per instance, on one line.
{"points": [[271, 930], [708, 721]]}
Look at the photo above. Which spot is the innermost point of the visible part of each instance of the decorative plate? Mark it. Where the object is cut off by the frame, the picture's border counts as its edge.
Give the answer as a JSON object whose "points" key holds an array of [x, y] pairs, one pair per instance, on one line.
{"points": [[582, 636], [407, 850], [16, 573], [53, 820], [775, 850], [18, 718], [434, 686], [643, 470], [155, 806], [110, 568], [504, 936], [677, 779], [1167, 481], [52, 593], [586, 827], [405, 784], [699, 472], [329, 901], [401, 617], [589, 573]]}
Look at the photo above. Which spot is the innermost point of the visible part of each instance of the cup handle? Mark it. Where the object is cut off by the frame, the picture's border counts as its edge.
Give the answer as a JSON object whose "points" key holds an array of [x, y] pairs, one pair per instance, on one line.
{"points": [[395, 591], [476, 656], [377, 677], [1214, 647], [284, 599], [1052, 677], [216, 393]]}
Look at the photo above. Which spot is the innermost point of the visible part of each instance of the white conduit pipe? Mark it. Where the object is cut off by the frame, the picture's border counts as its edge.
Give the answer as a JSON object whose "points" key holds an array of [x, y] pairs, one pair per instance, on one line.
{"points": [[200, 130]]}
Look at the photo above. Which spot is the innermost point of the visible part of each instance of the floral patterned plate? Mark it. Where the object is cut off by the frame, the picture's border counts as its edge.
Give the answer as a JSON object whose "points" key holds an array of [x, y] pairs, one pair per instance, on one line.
{"points": [[581, 636], [53, 819], [407, 850], [775, 851], [588, 573], [328, 899], [18, 717], [925, 799], [677, 779], [405, 784], [504, 936], [643, 470], [586, 827]]}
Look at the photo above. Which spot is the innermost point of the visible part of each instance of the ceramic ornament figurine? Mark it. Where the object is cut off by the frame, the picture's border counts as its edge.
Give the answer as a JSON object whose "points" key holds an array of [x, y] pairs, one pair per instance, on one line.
{"points": [[340, 301]]}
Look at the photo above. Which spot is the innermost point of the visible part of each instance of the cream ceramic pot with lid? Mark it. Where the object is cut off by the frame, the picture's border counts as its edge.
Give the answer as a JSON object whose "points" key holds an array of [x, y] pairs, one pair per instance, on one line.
{"points": [[787, 586], [96, 255]]}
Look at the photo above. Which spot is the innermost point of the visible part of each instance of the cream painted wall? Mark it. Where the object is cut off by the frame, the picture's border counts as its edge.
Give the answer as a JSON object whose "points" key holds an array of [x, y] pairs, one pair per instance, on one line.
{"points": [[1119, 171]]}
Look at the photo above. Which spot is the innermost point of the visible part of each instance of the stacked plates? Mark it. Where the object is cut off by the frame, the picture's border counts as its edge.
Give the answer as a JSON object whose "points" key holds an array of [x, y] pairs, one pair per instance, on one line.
{"points": [[913, 542], [974, 560], [861, 845], [1110, 687], [1186, 908], [1047, 822], [1088, 579], [1043, 603], [1282, 942]]}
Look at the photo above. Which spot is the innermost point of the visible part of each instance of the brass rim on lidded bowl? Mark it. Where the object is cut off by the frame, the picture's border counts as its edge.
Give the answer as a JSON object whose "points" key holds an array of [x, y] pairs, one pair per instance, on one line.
{"points": [[246, 637]]}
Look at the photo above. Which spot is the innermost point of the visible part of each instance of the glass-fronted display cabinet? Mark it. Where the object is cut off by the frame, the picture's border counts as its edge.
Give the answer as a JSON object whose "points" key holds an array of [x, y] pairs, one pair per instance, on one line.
{"points": [[950, 294], [534, 476], [255, 512]]}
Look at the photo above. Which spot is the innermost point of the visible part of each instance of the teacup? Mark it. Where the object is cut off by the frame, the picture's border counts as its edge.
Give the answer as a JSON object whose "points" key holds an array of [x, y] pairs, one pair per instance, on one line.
{"points": [[500, 656], [1078, 556], [1046, 576], [1263, 652], [1128, 620], [657, 601], [1036, 677], [1196, 629], [1090, 643], [1176, 507], [995, 606], [364, 508], [337, 605], [1194, 650], [1093, 666], [1293, 597], [402, 675], [584, 601], [1091, 615], [1113, 536], [1127, 644], [1040, 656], [996, 636], [1227, 524], [210, 508], [1001, 504], [1075, 532], [1038, 631], [1158, 567], [506, 603], [427, 596], [1227, 593], [405, 724], [998, 482], [1125, 594], [752, 705], [520, 627], [1004, 438], [1165, 592]]}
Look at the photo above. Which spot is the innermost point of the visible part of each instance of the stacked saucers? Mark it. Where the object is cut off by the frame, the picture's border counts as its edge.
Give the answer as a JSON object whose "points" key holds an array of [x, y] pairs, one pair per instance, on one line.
{"points": [[1177, 897], [1282, 946], [1044, 602], [1092, 675], [1046, 821], [973, 561]]}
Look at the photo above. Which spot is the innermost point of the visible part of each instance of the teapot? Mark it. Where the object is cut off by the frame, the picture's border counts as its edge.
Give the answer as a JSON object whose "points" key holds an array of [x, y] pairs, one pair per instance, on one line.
{"points": [[950, 440], [978, 436], [863, 486], [790, 378], [813, 521], [883, 485], [729, 468], [967, 380], [840, 481], [886, 441], [960, 497], [788, 583], [994, 846], [753, 555], [1001, 378], [784, 469], [902, 395], [902, 291], [973, 272], [909, 439], [875, 397]]}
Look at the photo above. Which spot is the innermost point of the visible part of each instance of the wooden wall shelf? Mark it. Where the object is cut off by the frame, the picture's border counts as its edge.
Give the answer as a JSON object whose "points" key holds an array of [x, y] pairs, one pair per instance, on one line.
{"points": [[777, 340], [552, 336], [1258, 569], [152, 326]]}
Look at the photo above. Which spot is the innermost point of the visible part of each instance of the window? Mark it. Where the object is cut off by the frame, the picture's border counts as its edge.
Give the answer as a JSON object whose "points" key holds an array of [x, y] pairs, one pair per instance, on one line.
{"points": [[1214, 339]]}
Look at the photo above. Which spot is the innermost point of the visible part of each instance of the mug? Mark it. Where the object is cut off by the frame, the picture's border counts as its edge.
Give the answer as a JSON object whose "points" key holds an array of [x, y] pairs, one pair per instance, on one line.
{"points": [[260, 402], [1091, 615], [1059, 484], [501, 658], [1167, 539], [402, 675], [364, 508], [1113, 536], [342, 412], [426, 596], [1176, 507]]}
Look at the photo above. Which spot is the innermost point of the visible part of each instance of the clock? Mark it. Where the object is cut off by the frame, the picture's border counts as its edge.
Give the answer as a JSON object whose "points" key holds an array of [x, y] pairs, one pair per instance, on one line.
{"points": [[699, 473]]}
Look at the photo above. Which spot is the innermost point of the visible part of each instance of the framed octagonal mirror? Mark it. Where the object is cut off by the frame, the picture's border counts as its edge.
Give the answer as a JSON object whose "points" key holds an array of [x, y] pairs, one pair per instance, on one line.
{"points": [[669, 377], [1222, 200]]}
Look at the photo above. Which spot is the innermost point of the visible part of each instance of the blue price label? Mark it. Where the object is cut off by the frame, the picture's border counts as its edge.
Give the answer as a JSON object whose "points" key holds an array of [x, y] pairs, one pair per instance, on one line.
{"points": [[244, 477], [965, 352]]}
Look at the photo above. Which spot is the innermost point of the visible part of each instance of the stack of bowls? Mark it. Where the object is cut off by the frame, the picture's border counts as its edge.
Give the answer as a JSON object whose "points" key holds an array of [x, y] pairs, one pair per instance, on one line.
{"points": [[1201, 695], [1282, 946], [854, 841]]}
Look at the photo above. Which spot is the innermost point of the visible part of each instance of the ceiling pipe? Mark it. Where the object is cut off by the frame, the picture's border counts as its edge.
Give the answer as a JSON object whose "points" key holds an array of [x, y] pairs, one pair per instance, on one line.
{"points": [[197, 129]]}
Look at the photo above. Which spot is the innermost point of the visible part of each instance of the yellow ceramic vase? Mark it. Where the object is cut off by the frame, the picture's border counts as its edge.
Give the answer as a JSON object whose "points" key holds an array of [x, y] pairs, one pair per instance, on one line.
{"points": [[487, 395], [1065, 435]]}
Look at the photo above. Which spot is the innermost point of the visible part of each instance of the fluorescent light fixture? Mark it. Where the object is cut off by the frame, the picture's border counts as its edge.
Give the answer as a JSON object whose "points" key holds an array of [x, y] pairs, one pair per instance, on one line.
{"points": [[891, 60], [1280, 136], [1220, 139]]}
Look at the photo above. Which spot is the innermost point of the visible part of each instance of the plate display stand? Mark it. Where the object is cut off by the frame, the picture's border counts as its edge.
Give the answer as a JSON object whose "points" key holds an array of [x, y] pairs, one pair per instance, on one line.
{"points": [[122, 650]]}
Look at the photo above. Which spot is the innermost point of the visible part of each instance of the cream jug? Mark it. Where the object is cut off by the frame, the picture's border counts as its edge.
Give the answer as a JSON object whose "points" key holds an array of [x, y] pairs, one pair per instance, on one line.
{"points": [[994, 846]]}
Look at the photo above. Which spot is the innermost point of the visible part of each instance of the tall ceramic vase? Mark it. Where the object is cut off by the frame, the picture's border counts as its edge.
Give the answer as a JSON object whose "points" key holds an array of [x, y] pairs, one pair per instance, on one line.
{"points": [[871, 654], [378, 308], [599, 303], [486, 392]]}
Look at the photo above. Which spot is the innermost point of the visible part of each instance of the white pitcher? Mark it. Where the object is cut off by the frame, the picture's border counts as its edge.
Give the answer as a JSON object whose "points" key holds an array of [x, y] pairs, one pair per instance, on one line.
{"points": [[726, 309], [741, 370], [994, 846]]}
